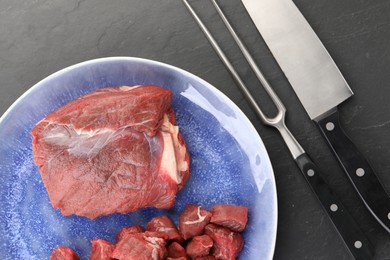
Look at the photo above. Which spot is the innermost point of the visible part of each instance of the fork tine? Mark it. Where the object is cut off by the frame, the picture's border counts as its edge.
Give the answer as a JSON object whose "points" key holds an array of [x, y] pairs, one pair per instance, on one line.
{"points": [[228, 64], [250, 60]]}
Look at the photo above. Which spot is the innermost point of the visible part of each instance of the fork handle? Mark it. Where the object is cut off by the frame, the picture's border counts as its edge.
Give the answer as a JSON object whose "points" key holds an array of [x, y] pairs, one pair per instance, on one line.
{"points": [[354, 239]]}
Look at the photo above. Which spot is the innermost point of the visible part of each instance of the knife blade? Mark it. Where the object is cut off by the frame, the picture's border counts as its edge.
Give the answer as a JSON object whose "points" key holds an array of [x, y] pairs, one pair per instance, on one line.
{"points": [[320, 87]]}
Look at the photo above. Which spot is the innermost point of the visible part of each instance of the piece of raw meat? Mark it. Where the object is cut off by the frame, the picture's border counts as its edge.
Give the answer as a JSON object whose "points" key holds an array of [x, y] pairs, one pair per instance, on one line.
{"points": [[140, 246], [175, 250], [199, 246], [112, 150], [63, 253], [227, 244], [193, 220], [230, 216], [128, 231], [164, 224], [101, 250]]}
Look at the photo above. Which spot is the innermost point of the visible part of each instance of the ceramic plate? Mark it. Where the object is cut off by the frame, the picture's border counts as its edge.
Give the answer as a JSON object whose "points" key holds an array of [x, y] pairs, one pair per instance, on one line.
{"points": [[229, 163]]}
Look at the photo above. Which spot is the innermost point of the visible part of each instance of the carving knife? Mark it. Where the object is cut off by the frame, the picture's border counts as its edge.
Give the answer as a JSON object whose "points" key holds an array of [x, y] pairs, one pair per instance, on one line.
{"points": [[320, 87]]}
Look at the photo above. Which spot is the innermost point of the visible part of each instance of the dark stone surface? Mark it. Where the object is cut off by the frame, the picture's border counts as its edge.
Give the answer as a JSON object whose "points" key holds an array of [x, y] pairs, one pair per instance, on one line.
{"points": [[39, 37]]}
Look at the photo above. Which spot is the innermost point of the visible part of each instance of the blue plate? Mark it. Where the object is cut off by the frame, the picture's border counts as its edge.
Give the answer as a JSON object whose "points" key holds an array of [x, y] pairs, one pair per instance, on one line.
{"points": [[229, 163]]}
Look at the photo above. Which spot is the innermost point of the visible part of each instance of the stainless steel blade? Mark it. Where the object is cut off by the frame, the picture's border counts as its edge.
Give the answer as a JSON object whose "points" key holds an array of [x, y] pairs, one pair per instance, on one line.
{"points": [[304, 60]]}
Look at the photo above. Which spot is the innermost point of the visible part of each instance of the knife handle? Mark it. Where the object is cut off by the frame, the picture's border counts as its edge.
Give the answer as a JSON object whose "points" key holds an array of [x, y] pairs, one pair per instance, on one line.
{"points": [[357, 168], [355, 240]]}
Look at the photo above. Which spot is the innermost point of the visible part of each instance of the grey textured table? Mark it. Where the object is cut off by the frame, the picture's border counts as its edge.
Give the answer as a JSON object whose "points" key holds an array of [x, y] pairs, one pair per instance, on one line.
{"points": [[40, 37]]}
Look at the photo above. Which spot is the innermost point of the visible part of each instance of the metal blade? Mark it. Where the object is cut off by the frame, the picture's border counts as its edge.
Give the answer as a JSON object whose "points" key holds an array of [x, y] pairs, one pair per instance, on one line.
{"points": [[302, 57]]}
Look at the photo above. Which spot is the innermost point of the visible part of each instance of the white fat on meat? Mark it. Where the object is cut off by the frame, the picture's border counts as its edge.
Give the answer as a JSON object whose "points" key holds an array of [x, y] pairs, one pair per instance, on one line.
{"points": [[129, 88], [196, 221], [173, 160], [80, 142], [154, 242]]}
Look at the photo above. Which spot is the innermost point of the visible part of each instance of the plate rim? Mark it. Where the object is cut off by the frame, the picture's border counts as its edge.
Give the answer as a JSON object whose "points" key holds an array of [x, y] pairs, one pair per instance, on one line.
{"points": [[182, 71]]}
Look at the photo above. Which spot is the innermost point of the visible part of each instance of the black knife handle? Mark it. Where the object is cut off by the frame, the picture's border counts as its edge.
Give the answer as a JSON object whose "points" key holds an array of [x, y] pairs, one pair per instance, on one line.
{"points": [[359, 171], [355, 240]]}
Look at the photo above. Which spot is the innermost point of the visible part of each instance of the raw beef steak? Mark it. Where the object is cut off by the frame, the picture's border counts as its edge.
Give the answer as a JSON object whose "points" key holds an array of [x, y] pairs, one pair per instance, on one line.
{"points": [[193, 221], [63, 253], [101, 250], [199, 246], [112, 150], [230, 216], [128, 231], [165, 225], [140, 246], [175, 250], [227, 244]]}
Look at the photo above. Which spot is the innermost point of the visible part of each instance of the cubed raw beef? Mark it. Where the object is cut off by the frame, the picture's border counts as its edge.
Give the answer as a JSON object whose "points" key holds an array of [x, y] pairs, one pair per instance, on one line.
{"points": [[139, 246], [193, 220], [128, 231], [112, 150], [175, 250], [101, 250], [164, 224], [199, 246], [63, 253], [177, 258], [230, 216], [227, 243]]}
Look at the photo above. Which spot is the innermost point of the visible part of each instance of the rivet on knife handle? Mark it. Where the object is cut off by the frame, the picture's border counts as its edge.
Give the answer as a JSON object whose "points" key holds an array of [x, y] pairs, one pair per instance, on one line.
{"points": [[358, 245], [357, 168]]}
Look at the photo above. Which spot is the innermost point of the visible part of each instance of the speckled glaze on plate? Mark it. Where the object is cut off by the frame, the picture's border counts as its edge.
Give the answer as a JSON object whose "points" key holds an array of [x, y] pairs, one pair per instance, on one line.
{"points": [[229, 163]]}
